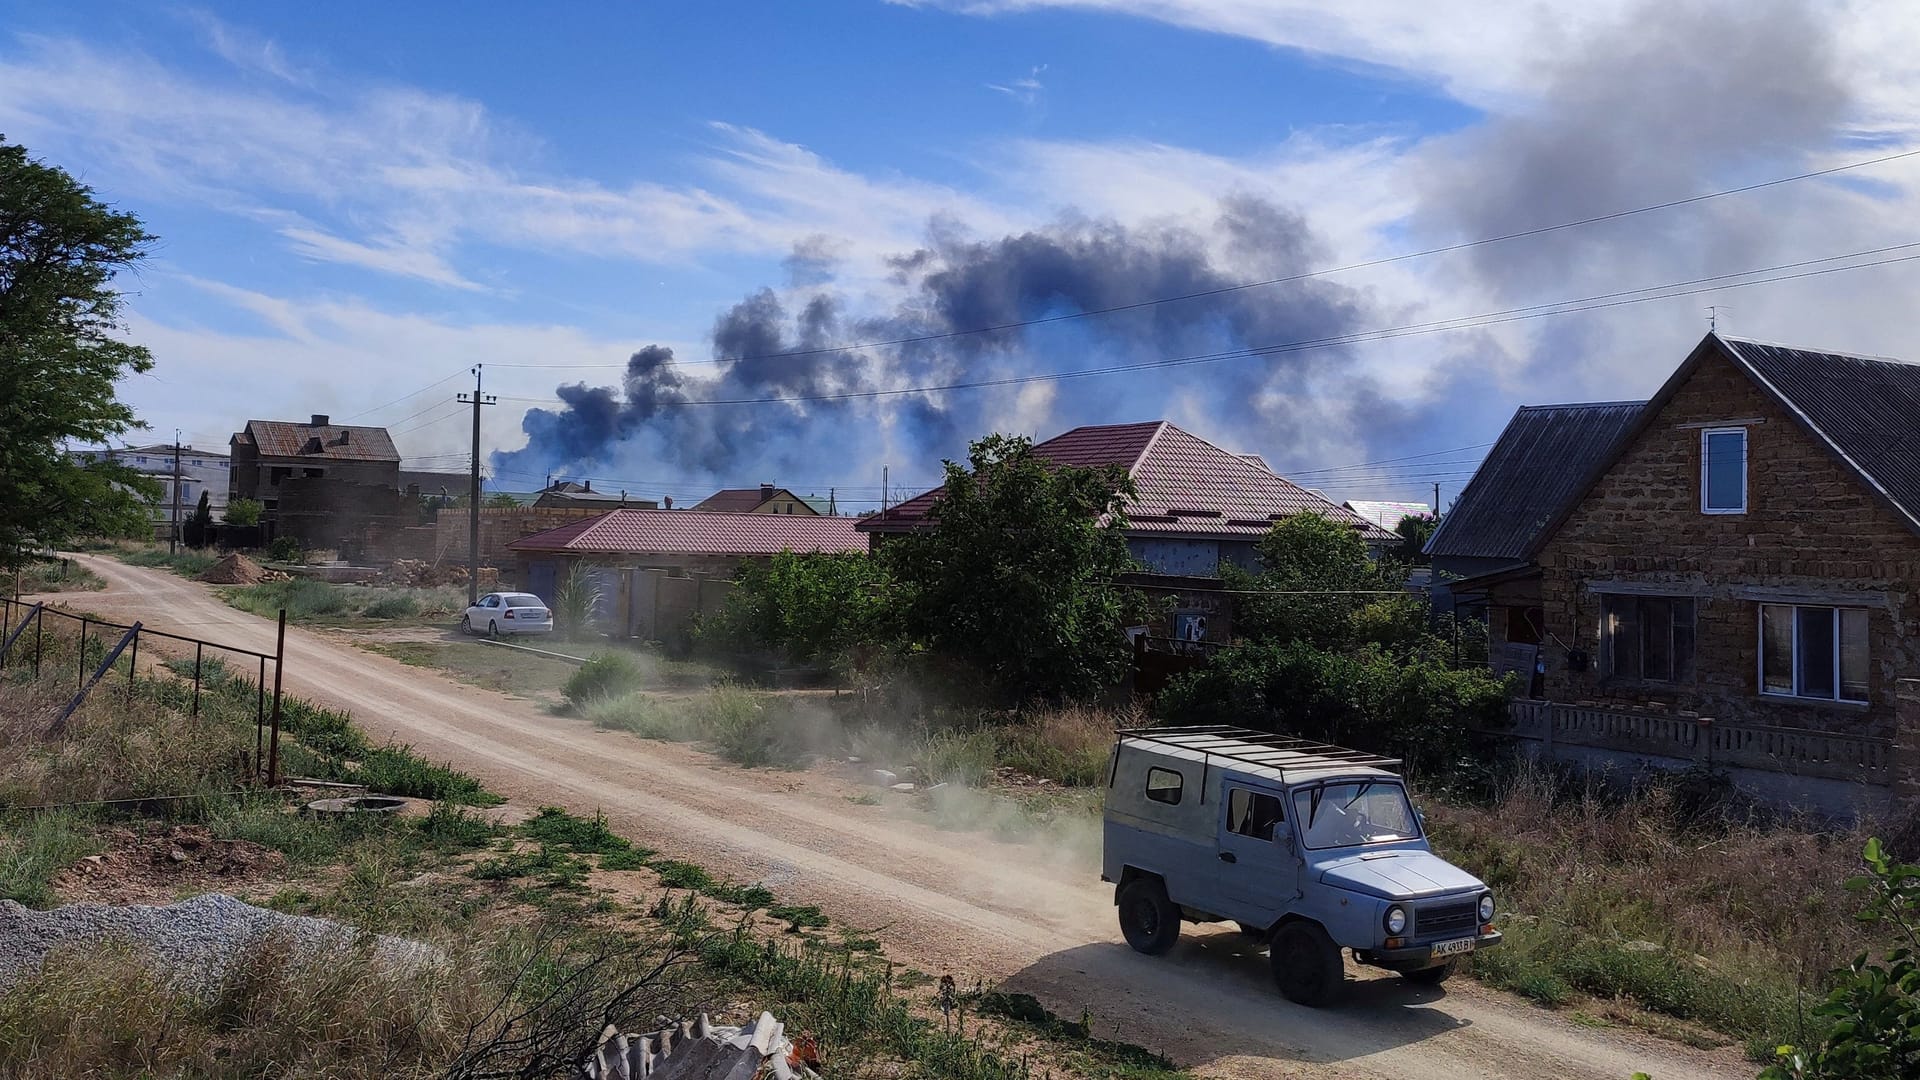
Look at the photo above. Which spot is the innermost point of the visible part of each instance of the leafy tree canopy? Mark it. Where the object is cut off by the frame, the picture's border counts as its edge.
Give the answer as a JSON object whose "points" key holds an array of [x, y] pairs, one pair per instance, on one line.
{"points": [[244, 512], [60, 249], [1015, 580]]}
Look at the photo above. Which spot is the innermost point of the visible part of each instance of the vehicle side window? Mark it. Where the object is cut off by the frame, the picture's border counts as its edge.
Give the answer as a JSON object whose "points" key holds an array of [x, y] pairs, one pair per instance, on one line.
{"points": [[1252, 814], [1163, 786]]}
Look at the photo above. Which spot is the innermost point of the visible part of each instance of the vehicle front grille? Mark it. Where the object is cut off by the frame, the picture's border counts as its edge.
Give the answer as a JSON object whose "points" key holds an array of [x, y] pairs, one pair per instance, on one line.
{"points": [[1440, 920]]}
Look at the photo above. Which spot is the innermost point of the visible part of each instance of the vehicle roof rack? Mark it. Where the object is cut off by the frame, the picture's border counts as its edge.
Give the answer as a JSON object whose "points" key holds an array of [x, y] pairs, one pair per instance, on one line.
{"points": [[1249, 747]]}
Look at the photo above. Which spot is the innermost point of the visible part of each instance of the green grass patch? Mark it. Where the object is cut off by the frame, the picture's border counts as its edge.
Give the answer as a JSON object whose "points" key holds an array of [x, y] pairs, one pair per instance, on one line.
{"points": [[675, 874], [589, 836], [644, 715], [55, 576], [392, 607], [34, 849], [799, 917], [609, 674], [303, 598], [187, 562], [630, 859]]}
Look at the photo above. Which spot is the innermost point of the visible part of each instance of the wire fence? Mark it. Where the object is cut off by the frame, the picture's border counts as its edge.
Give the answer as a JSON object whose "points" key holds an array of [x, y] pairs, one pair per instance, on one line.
{"points": [[35, 635]]}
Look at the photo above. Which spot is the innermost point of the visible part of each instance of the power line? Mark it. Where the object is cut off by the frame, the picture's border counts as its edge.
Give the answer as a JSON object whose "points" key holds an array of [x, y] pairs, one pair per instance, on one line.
{"points": [[1385, 260], [404, 397], [1388, 461], [1600, 301]]}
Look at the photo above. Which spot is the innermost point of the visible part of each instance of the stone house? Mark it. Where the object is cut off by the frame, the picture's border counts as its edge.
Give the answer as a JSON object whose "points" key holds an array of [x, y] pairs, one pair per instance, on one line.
{"points": [[765, 499], [272, 456], [1735, 582]]}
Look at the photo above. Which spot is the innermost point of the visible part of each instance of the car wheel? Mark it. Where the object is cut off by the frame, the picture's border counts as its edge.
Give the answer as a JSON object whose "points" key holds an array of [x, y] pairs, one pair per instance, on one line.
{"points": [[1306, 964], [493, 629], [466, 625], [1432, 976], [1148, 919]]}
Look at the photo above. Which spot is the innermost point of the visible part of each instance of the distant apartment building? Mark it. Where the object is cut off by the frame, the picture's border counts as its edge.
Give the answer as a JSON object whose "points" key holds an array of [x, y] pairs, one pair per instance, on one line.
{"points": [[200, 471]]}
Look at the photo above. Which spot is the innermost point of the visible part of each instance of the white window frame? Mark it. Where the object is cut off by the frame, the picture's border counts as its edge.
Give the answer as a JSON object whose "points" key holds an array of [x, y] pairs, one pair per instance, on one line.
{"points": [[1839, 683], [1705, 435]]}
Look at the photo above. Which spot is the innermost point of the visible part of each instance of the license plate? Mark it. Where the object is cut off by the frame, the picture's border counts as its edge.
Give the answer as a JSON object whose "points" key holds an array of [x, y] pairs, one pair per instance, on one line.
{"points": [[1458, 947]]}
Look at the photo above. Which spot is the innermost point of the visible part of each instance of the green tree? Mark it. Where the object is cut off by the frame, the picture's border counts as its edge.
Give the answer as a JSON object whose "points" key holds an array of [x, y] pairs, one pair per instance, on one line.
{"points": [[808, 607], [1014, 582], [1414, 531], [1874, 1007], [244, 512], [499, 500], [1314, 576], [198, 528], [60, 361]]}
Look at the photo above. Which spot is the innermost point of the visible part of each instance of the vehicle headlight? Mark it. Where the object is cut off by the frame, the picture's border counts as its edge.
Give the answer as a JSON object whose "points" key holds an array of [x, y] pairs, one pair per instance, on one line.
{"points": [[1486, 908], [1396, 920]]}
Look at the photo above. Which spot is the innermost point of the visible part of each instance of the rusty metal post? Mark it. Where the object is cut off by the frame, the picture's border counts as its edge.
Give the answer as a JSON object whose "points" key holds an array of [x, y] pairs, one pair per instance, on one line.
{"points": [[83, 652], [39, 633], [199, 648], [260, 717], [279, 664], [133, 662]]}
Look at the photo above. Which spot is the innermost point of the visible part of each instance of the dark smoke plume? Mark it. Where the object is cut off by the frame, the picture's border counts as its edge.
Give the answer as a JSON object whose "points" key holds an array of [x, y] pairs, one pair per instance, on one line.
{"points": [[955, 283]]}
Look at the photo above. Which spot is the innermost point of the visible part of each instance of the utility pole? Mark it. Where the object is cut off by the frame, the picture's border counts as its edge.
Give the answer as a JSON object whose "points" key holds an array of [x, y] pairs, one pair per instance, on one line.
{"points": [[173, 533], [883, 491], [1436, 498], [477, 399], [833, 509]]}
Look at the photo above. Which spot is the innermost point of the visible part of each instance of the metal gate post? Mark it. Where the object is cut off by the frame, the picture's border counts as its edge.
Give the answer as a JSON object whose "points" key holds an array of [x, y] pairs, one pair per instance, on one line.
{"points": [[279, 662]]}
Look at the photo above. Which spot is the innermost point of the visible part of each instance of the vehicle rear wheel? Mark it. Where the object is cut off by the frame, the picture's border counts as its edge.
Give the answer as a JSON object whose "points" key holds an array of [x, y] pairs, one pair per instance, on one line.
{"points": [[1148, 919], [1306, 964], [1432, 976], [493, 628], [466, 625]]}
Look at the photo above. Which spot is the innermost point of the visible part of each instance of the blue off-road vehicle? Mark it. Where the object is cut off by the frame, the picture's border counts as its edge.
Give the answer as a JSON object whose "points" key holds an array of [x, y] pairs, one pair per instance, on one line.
{"points": [[1309, 847]]}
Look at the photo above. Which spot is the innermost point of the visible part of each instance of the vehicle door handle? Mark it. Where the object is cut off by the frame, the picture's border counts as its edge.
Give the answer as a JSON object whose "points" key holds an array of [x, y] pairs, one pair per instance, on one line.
{"points": [[1228, 856]]}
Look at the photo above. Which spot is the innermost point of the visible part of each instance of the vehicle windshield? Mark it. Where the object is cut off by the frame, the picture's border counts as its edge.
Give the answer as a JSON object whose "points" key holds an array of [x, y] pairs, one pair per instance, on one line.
{"points": [[523, 600], [1354, 812]]}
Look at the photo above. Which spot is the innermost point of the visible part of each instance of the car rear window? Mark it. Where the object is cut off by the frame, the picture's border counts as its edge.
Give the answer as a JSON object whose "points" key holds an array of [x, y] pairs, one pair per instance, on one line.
{"points": [[523, 600]]}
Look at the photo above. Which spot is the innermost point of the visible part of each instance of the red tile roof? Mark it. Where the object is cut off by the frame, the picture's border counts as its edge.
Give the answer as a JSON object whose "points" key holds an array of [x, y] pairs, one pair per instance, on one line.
{"points": [[281, 438], [697, 532], [1185, 485]]}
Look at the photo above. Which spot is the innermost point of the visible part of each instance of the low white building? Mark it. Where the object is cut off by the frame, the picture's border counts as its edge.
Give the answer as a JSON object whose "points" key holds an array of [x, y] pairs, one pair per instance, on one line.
{"points": [[200, 471]]}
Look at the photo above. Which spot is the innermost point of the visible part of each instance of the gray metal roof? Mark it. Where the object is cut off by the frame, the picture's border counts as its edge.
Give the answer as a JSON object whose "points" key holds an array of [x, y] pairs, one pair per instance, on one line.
{"points": [[1544, 460], [1866, 409]]}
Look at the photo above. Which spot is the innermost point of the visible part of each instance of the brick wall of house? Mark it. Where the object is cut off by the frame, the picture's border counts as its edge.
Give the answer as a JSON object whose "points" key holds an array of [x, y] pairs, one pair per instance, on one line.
{"points": [[1810, 527]]}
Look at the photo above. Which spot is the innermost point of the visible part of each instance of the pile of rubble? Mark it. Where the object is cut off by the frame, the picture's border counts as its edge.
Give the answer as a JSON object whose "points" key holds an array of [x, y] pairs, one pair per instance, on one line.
{"points": [[235, 569], [419, 574], [699, 1049]]}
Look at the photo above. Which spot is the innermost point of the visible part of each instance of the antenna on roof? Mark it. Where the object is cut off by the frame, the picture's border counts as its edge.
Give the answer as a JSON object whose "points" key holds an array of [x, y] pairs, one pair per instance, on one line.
{"points": [[1713, 317]]}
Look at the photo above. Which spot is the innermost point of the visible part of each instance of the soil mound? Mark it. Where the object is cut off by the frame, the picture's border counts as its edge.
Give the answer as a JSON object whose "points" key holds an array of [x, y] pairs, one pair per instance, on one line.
{"points": [[235, 569]]}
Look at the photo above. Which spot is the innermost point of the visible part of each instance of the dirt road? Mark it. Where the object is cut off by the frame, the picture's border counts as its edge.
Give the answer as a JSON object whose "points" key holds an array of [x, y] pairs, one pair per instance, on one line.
{"points": [[945, 902]]}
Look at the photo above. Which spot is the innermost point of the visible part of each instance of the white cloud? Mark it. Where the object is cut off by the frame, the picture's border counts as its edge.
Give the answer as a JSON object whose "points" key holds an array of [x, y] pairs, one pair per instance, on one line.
{"points": [[1026, 90]]}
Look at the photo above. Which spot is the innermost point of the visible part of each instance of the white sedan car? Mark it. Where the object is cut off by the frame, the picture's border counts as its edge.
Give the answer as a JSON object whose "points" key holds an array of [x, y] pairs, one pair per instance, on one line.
{"points": [[496, 614]]}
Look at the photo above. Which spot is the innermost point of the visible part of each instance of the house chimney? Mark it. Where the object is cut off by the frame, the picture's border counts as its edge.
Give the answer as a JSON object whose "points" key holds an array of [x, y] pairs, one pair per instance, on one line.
{"points": [[343, 437], [319, 420], [766, 492], [586, 485], [667, 501]]}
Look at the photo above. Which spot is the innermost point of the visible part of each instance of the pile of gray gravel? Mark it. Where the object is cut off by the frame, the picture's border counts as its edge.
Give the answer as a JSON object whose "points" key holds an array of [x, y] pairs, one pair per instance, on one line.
{"points": [[191, 942]]}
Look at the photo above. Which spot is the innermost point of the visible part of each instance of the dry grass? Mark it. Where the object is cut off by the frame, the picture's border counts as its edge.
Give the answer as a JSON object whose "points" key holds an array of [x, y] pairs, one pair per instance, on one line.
{"points": [[1710, 921], [117, 746], [98, 1011]]}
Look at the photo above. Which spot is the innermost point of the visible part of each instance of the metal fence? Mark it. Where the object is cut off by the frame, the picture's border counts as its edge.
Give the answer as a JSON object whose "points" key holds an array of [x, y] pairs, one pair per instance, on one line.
{"points": [[25, 632]]}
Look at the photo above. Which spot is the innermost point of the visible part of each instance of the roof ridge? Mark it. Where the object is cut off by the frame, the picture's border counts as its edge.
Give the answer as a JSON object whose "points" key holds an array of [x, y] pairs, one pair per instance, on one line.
{"points": [[1735, 342], [1159, 428], [1622, 403]]}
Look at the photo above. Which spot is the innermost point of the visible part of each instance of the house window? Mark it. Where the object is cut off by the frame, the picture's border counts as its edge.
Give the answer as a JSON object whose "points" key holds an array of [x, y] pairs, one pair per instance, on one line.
{"points": [[1163, 786], [1723, 471], [1524, 623], [1649, 638], [1251, 813], [1813, 652]]}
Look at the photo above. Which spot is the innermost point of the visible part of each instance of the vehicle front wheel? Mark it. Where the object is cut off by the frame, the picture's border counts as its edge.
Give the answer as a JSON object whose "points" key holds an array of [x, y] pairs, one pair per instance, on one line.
{"points": [[1306, 964], [1432, 976], [1148, 919]]}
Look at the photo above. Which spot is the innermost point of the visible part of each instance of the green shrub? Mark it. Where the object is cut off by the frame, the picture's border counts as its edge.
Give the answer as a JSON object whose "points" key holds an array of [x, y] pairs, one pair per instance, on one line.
{"points": [[675, 874], [392, 607], [244, 512], [603, 676], [806, 607], [286, 549], [397, 770], [644, 715], [303, 598], [953, 757]]}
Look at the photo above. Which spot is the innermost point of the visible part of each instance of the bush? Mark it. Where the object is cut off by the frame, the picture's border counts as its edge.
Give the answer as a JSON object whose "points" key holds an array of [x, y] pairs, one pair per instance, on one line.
{"points": [[303, 598], [604, 676], [392, 607], [645, 716], [244, 512], [1416, 709], [806, 607], [286, 549]]}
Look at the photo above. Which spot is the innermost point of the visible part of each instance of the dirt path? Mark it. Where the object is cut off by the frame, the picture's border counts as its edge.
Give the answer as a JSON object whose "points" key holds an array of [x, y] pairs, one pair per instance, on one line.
{"points": [[1036, 919]]}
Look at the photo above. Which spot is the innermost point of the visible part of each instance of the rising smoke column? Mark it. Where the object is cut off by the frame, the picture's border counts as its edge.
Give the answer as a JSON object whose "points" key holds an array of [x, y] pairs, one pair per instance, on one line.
{"points": [[956, 282]]}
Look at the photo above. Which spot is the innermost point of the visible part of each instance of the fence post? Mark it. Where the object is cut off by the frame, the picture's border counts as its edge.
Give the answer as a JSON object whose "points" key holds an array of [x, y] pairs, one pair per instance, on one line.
{"points": [[1906, 746], [260, 717], [39, 632], [83, 652], [133, 661], [199, 647], [279, 662]]}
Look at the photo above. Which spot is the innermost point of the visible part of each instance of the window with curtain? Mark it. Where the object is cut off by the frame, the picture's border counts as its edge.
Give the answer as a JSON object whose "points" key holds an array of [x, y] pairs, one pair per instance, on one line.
{"points": [[1649, 638], [1814, 652]]}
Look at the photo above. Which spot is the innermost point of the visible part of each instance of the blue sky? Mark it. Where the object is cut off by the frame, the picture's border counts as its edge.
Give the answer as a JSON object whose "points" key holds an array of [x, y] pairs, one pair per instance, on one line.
{"points": [[357, 201]]}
